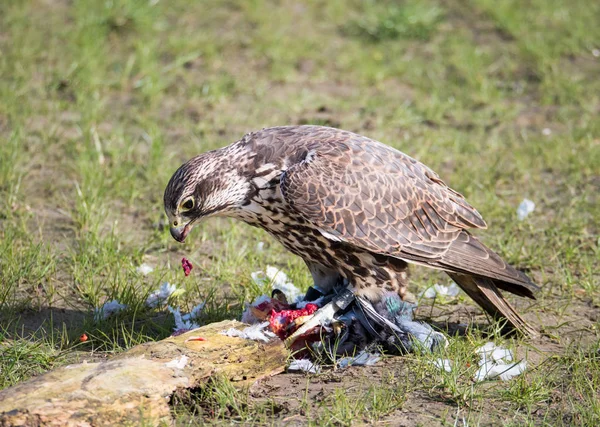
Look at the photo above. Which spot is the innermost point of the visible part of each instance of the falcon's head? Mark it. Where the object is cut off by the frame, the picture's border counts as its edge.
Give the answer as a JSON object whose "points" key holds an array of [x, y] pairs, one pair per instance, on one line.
{"points": [[207, 185]]}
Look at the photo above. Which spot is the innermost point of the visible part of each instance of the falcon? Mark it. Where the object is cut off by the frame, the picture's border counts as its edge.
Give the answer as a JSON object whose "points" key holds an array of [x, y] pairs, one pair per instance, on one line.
{"points": [[353, 208]]}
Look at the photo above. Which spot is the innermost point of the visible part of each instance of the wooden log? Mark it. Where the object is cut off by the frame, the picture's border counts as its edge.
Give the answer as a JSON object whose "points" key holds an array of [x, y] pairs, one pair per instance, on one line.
{"points": [[136, 386]]}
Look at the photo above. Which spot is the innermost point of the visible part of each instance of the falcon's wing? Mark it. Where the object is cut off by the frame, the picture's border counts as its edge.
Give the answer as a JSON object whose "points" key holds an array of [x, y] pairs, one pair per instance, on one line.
{"points": [[371, 196]]}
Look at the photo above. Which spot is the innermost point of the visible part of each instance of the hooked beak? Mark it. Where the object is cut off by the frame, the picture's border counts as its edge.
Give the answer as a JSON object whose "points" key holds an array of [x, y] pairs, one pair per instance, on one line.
{"points": [[181, 232]]}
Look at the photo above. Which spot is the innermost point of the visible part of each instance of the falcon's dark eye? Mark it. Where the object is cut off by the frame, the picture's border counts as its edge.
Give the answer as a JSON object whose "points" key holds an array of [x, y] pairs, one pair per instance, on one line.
{"points": [[189, 204]]}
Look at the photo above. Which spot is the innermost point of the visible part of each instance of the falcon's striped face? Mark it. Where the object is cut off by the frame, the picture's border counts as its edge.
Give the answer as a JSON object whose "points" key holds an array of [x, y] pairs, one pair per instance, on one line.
{"points": [[202, 187]]}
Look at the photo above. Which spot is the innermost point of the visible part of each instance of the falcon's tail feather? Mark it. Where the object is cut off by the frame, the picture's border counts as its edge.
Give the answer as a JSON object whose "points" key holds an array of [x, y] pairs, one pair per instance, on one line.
{"points": [[485, 292]]}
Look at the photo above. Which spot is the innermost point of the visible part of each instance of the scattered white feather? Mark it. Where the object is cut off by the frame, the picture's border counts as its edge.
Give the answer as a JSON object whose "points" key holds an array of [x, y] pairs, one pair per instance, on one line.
{"points": [[495, 362], [361, 359], [195, 313], [178, 363], [502, 370], [278, 280], [546, 131], [302, 304], [161, 295], [247, 316], [260, 246], [259, 277], [444, 364], [145, 269], [304, 365], [437, 289], [257, 332], [180, 322], [596, 53], [108, 309], [511, 371], [277, 276], [524, 209], [260, 299], [498, 354]]}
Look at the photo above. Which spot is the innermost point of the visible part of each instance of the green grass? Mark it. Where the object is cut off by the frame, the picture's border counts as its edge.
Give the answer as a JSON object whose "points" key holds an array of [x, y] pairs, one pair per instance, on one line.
{"points": [[101, 101]]}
